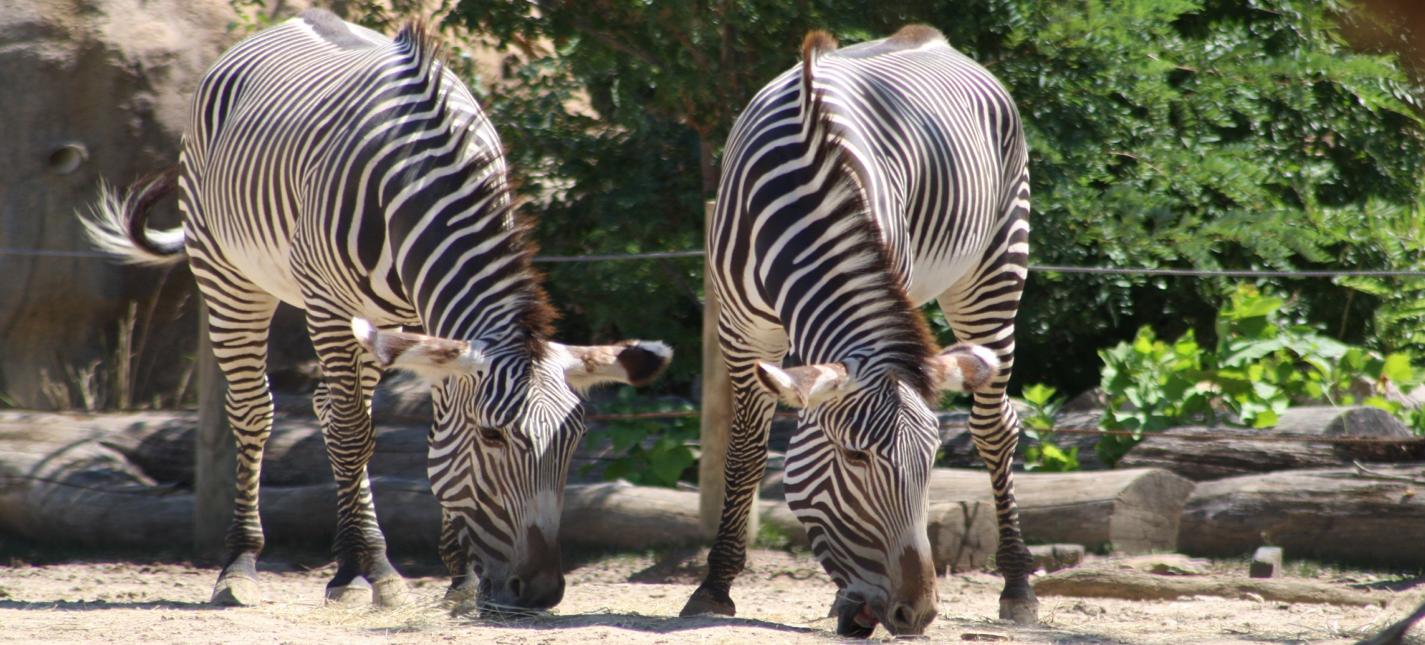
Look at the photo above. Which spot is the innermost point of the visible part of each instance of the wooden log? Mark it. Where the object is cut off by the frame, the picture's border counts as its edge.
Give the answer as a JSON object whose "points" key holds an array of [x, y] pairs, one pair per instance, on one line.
{"points": [[1183, 451], [963, 536], [161, 444], [1129, 584], [620, 515], [1329, 514], [68, 488], [65, 480], [1134, 511]]}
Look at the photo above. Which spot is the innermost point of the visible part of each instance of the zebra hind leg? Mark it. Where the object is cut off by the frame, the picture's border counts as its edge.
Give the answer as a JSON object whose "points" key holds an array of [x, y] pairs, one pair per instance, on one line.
{"points": [[238, 323], [984, 314], [342, 404]]}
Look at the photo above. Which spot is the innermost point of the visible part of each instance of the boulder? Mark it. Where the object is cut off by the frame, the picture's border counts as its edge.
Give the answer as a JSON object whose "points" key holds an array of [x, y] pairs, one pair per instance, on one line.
{"points": [[94, 89]]}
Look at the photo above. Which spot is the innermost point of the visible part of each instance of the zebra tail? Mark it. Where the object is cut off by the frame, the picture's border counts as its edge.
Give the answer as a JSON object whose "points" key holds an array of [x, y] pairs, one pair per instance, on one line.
{"points": [[116, 223], [814, 46]]}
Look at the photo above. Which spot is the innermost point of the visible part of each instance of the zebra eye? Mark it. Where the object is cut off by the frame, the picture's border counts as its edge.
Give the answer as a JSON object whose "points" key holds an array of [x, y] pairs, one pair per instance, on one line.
{"points": [[857, 457], [491, 435]]}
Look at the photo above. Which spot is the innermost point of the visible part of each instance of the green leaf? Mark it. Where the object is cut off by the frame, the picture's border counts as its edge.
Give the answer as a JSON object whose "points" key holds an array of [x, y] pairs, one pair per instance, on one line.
{"points": [[1397, 368]]}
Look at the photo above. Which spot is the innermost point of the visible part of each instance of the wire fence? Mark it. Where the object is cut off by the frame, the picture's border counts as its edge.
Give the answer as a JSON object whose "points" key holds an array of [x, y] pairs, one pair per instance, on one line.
{"points": [[1038, 268], [1149, 271]]}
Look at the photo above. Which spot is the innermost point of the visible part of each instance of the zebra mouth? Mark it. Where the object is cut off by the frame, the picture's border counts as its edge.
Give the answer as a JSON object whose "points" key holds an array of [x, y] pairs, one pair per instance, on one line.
{"points": [[855, 618]]}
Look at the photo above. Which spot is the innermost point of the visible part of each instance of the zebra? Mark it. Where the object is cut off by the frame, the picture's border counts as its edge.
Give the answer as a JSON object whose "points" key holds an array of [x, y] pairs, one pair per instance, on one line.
{"points": [[856, 187], [354, 176]]}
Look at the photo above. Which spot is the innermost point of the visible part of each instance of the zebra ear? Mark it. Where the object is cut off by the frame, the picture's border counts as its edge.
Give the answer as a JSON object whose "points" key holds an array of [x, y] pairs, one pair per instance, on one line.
{"points": [[963, 368], [635, 362], [805, 386], [431, 357]]}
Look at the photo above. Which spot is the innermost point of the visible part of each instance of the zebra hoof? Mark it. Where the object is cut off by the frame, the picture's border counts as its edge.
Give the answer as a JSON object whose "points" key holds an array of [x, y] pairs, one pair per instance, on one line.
{"points": [[358, 590], [390, 592], [236, 591], [705, 602], [1020, 611], [459, 595]]}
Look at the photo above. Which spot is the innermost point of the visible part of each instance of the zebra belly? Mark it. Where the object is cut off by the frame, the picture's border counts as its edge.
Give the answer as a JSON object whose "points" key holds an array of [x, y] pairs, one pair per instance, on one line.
{"points": [[930, 278], [268, 269]]}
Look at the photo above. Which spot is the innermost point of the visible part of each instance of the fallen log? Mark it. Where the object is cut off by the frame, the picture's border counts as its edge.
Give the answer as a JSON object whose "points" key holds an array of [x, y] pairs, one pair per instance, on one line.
{"points": [[1129, 511], [66, 481], [1129, 584], [161, 444], [1189, 452], [126, 462], [1337, 514]]}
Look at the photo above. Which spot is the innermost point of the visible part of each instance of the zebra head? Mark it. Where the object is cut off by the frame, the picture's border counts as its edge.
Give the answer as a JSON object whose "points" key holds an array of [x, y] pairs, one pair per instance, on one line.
{"points": [[507, 422], [857, 476]]}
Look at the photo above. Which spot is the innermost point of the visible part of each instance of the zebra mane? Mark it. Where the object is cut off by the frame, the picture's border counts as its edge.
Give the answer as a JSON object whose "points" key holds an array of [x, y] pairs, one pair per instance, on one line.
{"points": [[534, 315], [905, 343]]}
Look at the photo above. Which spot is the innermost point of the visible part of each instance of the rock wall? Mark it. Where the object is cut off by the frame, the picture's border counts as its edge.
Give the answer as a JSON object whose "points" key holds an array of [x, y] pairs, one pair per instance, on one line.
{"points": [[92, 89]]}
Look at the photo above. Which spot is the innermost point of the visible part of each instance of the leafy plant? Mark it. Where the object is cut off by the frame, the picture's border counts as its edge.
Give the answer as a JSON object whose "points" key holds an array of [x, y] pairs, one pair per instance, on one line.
{"points": [[1045, 455], [1263, 362], [652, 452]]}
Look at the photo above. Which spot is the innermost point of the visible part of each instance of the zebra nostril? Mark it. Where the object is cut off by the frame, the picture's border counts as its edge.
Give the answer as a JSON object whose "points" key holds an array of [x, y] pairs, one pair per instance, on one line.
{"points": [[902, 616], [516, 586]]}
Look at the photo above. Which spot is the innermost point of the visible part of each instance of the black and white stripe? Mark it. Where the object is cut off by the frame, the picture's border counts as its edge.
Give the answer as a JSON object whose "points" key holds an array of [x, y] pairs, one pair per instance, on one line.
{"points": [[355, 177], [856, 187]]}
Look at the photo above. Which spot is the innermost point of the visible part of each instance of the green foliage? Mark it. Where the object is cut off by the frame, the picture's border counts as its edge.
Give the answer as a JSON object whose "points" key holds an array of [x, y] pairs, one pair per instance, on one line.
{"points": [[1205, 133], [1262, 364], [1039, 425], [651, 452]]}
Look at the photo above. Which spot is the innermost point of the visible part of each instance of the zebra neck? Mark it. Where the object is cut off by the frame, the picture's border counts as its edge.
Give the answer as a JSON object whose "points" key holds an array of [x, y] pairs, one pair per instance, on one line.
{"points": [[464, 258]]}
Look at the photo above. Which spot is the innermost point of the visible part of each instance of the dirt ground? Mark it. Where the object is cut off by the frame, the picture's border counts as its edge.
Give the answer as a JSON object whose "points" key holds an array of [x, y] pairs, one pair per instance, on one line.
{"points": [[782, 598]]}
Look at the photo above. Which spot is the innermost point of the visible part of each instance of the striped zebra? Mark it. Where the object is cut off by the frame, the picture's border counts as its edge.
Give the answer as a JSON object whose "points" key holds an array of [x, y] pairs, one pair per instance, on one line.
{"points": [[855, 188], [354, 176]]}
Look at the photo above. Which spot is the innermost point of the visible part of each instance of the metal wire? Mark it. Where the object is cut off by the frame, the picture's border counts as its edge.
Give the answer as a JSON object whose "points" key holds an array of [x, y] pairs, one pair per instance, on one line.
{"points": [[1041, 268]]}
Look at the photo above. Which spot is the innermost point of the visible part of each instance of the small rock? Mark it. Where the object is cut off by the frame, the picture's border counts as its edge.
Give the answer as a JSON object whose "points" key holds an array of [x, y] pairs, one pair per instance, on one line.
{"points": [[1087, 609], [1053, 557], [1266, 562], [1166, 564]]}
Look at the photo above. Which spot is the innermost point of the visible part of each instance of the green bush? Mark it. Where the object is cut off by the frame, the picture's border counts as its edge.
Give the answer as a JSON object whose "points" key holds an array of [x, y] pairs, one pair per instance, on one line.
{"points": [[1263, 362], [1045, 455], [651, 452], [1202, 133]]}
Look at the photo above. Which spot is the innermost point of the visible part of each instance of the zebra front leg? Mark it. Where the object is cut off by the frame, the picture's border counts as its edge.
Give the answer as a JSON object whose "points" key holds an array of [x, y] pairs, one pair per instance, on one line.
{"points": [[238, 324], [742, 473], [343, 404]]}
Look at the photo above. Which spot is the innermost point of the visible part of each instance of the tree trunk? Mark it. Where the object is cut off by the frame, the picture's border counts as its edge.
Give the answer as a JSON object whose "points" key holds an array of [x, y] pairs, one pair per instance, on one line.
{"points": [[716, 418], [1131, 511], [214, 453], [1332, 514], [1185, 452], [1136, 585]]}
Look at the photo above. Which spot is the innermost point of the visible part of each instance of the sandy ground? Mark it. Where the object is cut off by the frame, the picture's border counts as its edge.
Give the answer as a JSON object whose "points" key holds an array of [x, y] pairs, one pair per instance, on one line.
{"points": [[782, 598]]}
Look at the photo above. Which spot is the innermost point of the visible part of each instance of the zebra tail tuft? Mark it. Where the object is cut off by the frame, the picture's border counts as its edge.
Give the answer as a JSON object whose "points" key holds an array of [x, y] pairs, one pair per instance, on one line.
{"points": [[115, 224], [816, 44]]}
